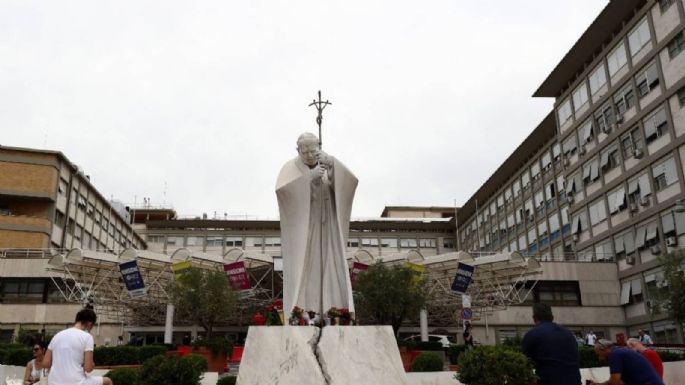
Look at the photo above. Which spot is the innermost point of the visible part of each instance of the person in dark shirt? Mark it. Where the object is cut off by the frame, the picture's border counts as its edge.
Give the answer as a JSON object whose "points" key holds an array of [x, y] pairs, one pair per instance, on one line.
{"points": [[625, 366], [468, 337], [553, 349]]}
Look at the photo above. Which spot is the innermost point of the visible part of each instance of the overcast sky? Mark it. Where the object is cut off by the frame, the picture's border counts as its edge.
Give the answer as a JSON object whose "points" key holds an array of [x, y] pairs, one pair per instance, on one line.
{"points": [[208, 98]]}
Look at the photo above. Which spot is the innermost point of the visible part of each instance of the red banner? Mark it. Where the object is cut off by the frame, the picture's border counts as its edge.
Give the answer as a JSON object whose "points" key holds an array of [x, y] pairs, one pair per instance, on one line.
{"points": [[357, 267], [237, 275]]}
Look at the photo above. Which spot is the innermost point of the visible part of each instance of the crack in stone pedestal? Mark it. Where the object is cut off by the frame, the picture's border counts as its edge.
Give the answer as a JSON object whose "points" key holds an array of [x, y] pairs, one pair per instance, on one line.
{"points": [[314, 342]]}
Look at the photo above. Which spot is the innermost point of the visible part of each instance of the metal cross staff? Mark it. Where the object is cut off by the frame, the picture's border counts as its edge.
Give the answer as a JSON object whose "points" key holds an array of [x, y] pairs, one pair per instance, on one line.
{"points": [[320, 105]]}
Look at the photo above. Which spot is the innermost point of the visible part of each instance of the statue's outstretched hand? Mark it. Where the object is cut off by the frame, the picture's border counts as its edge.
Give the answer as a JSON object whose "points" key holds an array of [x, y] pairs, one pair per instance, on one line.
{"points": [[324, 159]]}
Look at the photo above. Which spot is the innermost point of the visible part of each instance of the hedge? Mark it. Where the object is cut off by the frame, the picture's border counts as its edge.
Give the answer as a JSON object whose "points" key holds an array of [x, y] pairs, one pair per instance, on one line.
{"points": [[15, 354], [453, 353], [495, 365], [427, 362], [123, 376], [126, 355], [588, 358], [172, 370]]}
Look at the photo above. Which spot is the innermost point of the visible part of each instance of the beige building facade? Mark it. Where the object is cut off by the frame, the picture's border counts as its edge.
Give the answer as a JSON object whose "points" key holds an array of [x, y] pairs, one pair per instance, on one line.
{"points": [[601, 178]]}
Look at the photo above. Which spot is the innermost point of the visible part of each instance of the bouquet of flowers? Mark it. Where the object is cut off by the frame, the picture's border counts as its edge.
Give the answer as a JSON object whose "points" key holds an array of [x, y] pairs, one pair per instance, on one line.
{"points": [[333, 312], [296, 316], [273, 317], [345, 316]]}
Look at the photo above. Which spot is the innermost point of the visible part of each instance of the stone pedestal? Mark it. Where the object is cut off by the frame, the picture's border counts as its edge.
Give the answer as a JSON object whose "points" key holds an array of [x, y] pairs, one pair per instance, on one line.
{"points": [[302, 355]]}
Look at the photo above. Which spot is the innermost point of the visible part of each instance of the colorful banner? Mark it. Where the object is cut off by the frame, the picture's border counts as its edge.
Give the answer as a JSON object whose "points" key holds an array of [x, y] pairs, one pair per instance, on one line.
{"points": [[463, 278], [132, 278], [237, 275], [181, 268], [357, 267], [418, 270]]}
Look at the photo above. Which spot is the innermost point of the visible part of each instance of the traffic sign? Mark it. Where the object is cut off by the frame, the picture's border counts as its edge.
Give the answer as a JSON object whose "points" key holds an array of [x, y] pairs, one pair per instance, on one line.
{"points": [[466, 313]]}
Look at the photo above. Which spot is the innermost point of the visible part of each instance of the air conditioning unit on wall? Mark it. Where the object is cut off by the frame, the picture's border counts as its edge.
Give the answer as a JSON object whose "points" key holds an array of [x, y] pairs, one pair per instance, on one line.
{"points": [[644, 201], [630, 260], [637, 153], [671, 241], [656, 249]]}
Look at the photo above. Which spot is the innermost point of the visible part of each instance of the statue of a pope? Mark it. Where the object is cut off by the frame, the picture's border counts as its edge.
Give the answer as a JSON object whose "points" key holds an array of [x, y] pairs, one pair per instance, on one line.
{"points": [[315, 193]]}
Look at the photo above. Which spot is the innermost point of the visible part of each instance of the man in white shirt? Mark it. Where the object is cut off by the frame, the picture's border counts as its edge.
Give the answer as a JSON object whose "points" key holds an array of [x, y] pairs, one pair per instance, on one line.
{"points": [[644, 337], [590, 339], [70, 354]]}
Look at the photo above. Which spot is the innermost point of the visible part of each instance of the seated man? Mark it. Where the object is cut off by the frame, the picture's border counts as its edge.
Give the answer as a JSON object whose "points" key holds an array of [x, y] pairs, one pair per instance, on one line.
{"points": [[625, 366], [70, 354]]}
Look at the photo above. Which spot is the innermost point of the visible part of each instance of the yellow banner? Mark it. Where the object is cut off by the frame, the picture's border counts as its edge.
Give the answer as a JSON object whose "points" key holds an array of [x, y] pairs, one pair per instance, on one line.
{"points": [[418, 270], [180, 268]]}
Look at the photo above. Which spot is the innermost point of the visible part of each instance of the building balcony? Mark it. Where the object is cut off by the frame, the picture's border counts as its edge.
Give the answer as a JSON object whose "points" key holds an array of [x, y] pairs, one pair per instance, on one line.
{"points": [[24, 223]]}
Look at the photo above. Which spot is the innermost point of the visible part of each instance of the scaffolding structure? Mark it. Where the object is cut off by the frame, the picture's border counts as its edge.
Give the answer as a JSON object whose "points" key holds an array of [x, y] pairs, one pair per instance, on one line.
{"points": [[85, 276]]}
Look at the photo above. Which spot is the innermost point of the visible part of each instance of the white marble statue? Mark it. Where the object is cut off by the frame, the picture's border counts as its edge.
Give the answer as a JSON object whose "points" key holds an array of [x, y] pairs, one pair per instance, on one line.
{"points": [[315, 193]]}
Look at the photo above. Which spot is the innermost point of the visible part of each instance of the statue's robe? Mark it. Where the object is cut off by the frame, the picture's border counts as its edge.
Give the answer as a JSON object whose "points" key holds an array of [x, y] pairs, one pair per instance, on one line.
{"points": [[307, 208]]}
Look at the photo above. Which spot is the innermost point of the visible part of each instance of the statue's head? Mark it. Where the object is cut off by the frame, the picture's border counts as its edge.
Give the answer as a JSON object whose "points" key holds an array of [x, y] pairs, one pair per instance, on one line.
{"points": [[307, 147]]}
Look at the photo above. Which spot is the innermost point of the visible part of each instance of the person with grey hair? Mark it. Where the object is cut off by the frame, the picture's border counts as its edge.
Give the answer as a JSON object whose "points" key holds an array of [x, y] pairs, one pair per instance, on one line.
{"points": [[625, 366], [553, 349], [650, 354]]}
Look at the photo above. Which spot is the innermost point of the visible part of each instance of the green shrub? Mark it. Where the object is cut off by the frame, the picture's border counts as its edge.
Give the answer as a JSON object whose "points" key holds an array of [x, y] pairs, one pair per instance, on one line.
{"points": [[513, 343], [216, 345], [410, 345], [123, 376], [228, 380], [116, 355], [668, 356], [170, 370], [429, 346], [588, 358], [148, 351], [427, 362], [126, 355], [17, 355], [454, 352], [198, 362], [495, 365]]}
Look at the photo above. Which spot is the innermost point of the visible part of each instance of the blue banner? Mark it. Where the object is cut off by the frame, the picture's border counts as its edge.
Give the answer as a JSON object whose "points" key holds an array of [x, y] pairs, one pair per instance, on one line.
{"points": [[463, 278], [132, 278]]}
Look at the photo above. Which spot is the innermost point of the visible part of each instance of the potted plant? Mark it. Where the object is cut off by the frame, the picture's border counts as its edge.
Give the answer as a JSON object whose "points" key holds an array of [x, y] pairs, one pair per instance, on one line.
{"points": [[495, 365], [215, 350]]}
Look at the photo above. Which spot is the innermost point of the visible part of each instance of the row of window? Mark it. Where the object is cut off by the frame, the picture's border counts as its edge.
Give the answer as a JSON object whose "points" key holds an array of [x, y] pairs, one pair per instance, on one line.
{"points": [[258, 242], [30, 290], [638, 39], [664, 175], [632, 196], [117, 229]]}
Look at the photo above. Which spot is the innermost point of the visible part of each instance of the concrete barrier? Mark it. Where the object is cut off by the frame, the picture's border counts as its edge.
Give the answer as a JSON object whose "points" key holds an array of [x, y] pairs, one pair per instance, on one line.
{"points": [[674, 374], [11, 372], [209, 378]]}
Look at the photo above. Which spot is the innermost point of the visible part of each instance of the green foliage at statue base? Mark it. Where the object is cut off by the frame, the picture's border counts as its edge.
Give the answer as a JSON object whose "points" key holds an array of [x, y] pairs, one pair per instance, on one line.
{"points": [[495, 365], [427, 362]]}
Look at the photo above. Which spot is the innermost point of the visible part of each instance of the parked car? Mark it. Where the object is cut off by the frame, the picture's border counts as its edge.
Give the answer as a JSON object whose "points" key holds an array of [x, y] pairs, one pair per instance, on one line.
{"points": [[446, 341]]}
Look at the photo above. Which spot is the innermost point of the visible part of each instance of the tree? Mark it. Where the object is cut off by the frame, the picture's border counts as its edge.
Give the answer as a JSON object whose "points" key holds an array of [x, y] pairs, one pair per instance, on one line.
{"points": [[674, 280], [204, 297], [389, 294]]}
